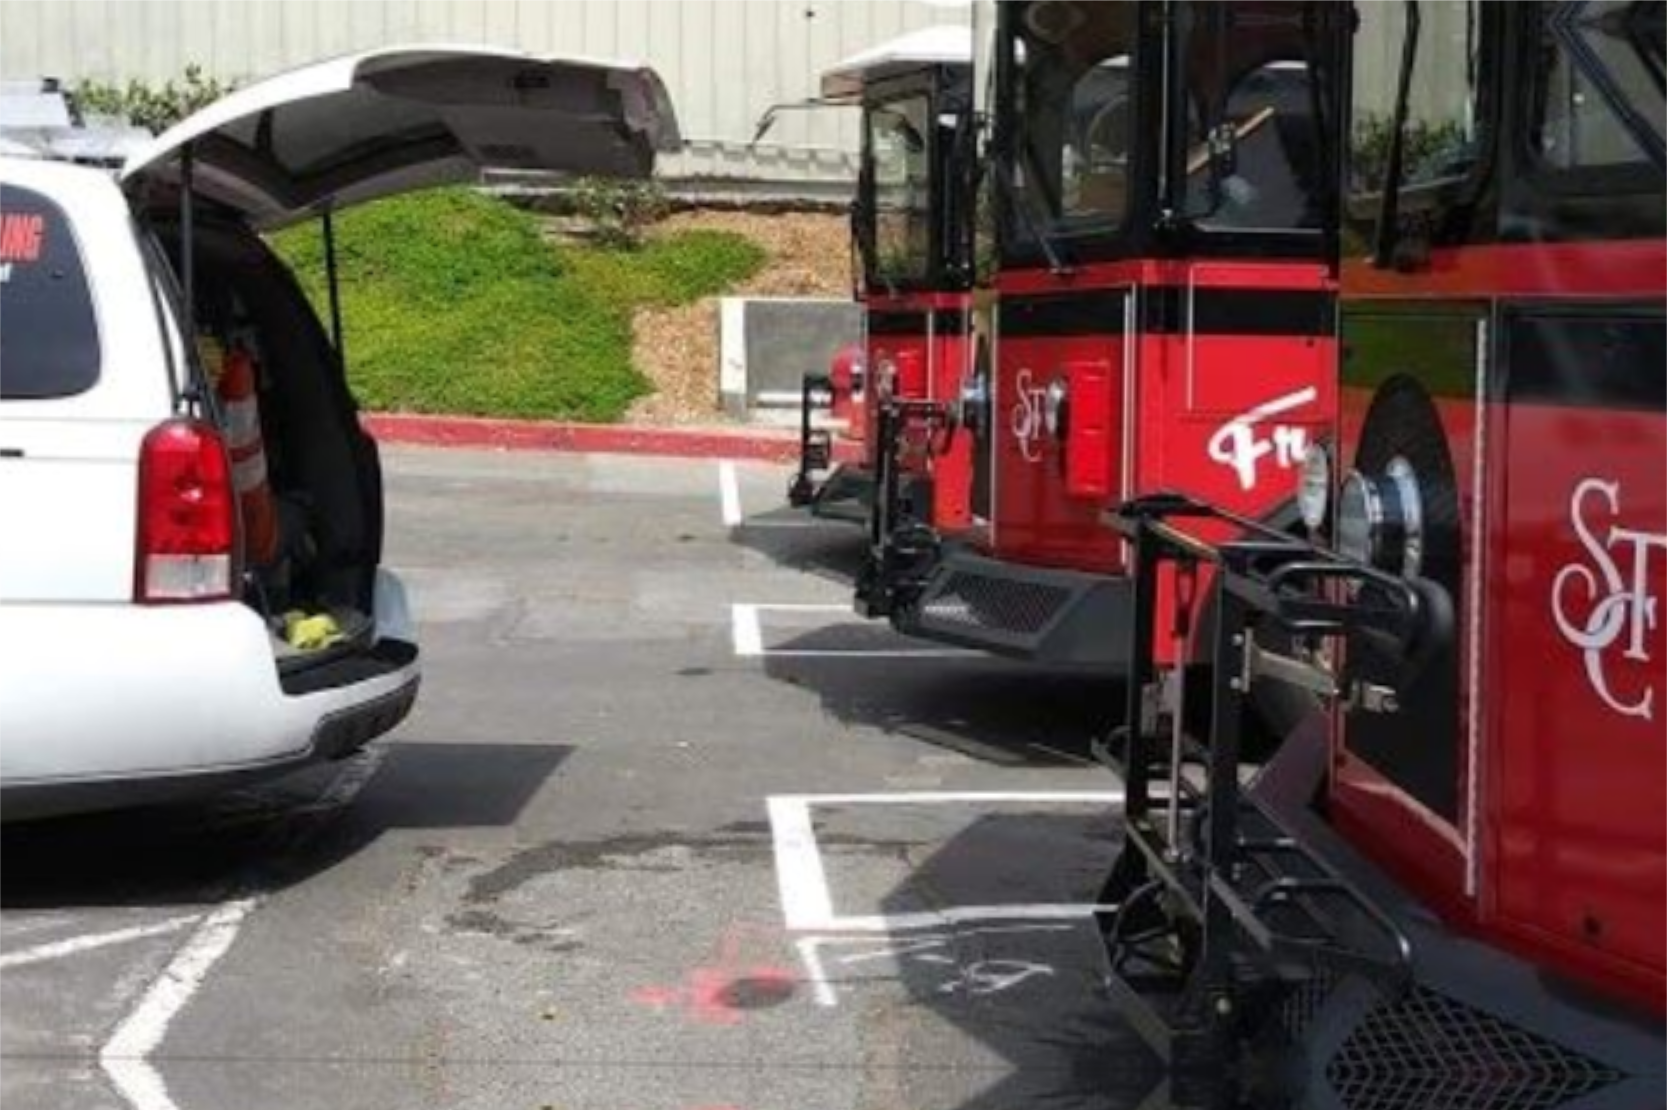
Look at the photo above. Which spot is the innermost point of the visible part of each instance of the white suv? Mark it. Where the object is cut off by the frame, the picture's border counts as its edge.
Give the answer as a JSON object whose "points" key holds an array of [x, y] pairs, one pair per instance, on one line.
{"points": [[143, 649]]}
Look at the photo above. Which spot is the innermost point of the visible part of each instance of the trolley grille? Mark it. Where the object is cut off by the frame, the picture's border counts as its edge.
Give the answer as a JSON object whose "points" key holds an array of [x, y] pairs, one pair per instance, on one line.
{"points": [[1430, 1052], [974, 600], [1302, 1005]]}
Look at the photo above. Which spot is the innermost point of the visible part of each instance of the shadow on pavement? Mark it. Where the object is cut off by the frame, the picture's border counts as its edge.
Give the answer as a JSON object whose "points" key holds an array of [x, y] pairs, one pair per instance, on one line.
{"points": [[1028, 992], [792, 538], [993, 710], [266, 836]]}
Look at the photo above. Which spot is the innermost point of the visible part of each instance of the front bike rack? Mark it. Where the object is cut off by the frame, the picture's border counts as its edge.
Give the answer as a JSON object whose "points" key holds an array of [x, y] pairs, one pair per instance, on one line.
{"points": [[1222, 913], [902, 546], [815, 444]]}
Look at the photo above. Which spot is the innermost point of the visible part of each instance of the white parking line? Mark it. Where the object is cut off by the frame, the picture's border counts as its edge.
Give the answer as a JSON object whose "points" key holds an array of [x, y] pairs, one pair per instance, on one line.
{"points": [[745, 630], [807, 900], [821, 990], [822, 987], [729, 493], [802, 883], [747, 627], [125, 1058], [74, 946]]}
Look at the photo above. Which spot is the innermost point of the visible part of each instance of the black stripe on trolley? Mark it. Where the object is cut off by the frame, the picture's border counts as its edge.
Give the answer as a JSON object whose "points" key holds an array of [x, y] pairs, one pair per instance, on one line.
{"points": [[1174, 310], [913, 321]]}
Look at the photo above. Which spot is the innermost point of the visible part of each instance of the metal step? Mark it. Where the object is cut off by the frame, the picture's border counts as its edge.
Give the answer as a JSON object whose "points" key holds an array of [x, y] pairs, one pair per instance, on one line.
{"points": [[1038, 613], [847, 495]]}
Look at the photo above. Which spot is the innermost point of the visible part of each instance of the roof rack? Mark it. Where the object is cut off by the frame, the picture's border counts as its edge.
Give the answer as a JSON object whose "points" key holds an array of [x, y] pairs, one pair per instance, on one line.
{"points": [[40, 119]]}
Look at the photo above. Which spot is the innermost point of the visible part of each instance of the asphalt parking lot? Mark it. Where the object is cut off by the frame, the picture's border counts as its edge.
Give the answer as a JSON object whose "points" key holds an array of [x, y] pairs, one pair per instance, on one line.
{"points": [[669, 830]]}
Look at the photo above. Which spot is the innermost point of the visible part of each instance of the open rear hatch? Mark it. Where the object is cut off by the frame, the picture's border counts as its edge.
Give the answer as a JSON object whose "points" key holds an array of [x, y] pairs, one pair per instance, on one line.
{"points": [[368, 125], [308, 143]]}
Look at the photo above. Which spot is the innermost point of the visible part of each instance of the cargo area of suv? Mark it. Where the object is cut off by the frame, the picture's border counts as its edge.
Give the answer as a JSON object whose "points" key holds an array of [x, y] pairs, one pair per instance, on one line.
{"points": [[316, 589], [192, 584]]}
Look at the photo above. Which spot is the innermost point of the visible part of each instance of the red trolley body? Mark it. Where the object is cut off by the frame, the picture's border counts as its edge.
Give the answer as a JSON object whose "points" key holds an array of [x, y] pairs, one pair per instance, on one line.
{"points": [[1161, 313], [920, 346], [1505, 407], [1210, 376], [1449, 885], [911, 238]]}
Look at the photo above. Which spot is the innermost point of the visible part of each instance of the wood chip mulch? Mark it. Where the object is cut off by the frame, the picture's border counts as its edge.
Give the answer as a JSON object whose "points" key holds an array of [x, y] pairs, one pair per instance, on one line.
{"points": [[677, 348]]}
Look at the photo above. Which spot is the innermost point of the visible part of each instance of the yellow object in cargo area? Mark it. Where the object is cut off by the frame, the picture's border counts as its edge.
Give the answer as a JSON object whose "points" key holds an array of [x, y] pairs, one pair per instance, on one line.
{"points": [[310, 632], [213, 356]]}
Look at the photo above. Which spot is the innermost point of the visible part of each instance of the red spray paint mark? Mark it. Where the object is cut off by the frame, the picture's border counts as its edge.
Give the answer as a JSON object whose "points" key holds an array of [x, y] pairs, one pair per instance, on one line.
{"points": [[720, 995], [721, 992], [657, 998]]}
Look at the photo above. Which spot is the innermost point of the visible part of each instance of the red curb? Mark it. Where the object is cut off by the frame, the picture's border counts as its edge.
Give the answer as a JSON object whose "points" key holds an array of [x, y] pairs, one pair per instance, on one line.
{"points": [[549, 435]]}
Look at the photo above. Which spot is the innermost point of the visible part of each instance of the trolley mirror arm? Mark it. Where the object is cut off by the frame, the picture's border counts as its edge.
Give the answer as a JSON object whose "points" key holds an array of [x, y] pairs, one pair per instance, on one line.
{"points": [[768, 119]]}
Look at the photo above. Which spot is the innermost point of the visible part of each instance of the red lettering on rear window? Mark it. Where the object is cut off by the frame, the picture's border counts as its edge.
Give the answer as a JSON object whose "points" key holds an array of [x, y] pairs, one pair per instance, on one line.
{"points": [[21, 236]]}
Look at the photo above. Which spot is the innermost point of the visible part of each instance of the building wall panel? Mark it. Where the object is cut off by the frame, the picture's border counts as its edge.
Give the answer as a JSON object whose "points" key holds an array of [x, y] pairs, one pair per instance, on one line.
{"points": [[725, 61]]}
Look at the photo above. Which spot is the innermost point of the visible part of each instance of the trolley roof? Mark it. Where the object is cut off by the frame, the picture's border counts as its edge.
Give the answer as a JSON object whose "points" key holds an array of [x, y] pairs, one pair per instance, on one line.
{"points": [[942, 45]]}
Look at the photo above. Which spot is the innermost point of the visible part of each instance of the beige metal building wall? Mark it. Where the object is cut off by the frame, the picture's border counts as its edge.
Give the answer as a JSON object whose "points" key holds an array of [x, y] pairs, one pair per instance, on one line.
{"points": [[724, 61]]}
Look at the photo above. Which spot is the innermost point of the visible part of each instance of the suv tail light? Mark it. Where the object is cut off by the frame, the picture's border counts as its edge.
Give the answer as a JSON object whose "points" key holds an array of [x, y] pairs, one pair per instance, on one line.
{"points": [[187, 516]]}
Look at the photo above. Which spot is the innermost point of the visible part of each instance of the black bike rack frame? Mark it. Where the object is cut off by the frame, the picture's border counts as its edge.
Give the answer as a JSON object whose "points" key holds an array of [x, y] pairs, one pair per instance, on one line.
{"points": [[815, 444], [1222, 913], [901, 547]]}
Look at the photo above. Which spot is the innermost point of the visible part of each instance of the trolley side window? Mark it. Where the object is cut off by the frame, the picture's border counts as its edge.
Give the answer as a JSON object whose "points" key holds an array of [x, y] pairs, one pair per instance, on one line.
{"points": [[1253, 151], [1072, 118], [900, 144], [1600, 80], [1416, 99]]}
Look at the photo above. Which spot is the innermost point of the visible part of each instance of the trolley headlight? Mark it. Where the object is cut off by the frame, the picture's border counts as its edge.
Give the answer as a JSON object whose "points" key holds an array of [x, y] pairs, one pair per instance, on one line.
{"points": [[1380, 521], [885, 377], [975, 401], [1314, 486], [859, 376], [1056, 407]]}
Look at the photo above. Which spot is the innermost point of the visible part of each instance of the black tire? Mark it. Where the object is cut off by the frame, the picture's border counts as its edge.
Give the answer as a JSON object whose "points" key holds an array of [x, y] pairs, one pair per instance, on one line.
{"points": [[1420, 746]]}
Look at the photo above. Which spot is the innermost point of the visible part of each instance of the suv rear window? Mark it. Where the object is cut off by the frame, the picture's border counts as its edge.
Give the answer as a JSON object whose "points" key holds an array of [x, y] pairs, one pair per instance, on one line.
{"points": [[48, 335]]}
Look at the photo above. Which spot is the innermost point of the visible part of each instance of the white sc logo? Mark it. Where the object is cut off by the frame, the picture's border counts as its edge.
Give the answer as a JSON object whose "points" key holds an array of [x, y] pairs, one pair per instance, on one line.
{"points": [[1608, 601]]}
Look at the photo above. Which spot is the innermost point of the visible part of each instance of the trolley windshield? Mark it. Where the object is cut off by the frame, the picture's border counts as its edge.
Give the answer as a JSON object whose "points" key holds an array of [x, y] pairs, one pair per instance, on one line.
{"points": [[910, 220], [899, 143], [1118, 128]]}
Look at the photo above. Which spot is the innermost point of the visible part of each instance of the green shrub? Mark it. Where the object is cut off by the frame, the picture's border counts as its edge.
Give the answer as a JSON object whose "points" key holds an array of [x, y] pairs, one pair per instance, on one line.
{"points": [[619, 211], [157, 108], [453, 302], [1430, 150]]}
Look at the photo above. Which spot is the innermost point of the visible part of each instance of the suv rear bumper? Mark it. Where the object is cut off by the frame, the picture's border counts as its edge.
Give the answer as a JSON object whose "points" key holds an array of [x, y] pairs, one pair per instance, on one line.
{"points": [[108, 705], [344, 732], [338, 736]]}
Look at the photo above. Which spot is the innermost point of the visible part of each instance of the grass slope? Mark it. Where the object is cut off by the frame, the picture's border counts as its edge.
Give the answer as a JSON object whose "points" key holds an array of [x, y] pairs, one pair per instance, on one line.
{"points": [[452, 302]]}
